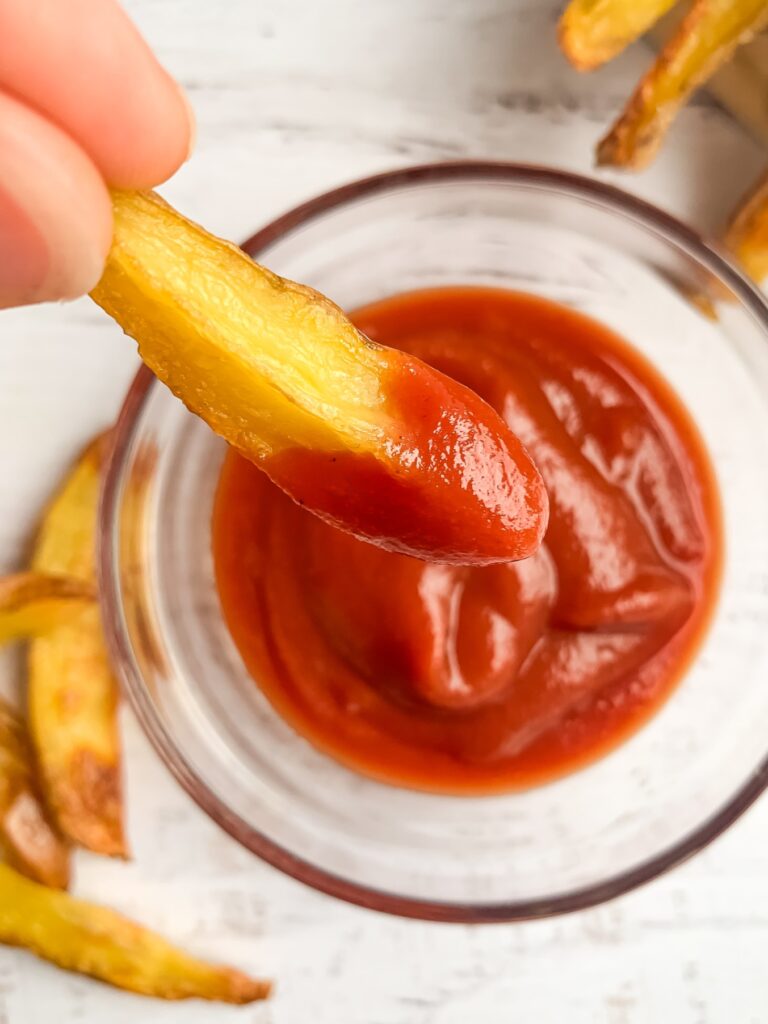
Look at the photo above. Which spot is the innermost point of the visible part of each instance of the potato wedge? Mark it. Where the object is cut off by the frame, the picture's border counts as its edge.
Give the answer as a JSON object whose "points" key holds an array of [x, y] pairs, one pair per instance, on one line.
{"points": [[704, 40], [193, 302], [27, 839], [94, 940], [73, 720], [592, 32], [33, 603], [72, 694], [739, 85], [369, 438], [747, 233], [66, 541]]}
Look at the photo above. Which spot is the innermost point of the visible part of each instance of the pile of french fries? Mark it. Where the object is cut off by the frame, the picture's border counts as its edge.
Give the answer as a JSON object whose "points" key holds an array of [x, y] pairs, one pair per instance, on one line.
{"points": [[60, 769], [594, 31]]}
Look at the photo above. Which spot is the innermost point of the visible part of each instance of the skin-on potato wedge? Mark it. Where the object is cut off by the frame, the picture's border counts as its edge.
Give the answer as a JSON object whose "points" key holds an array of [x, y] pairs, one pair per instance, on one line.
{"points": [[73, 721], [33, 603], [704, 40], [592, 32], [66, 540], [747, 233], [94, 940], [367, 437], [739, 85], [72, 694], [27, 839]]}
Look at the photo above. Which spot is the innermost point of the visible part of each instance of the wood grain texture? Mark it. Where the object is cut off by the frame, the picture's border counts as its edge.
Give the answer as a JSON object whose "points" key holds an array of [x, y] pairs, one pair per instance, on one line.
{"points": [[292, 97]]}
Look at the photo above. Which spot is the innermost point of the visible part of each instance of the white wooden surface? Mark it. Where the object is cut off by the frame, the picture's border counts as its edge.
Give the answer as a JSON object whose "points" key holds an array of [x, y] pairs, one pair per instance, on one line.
{"points": [[294, 96]]}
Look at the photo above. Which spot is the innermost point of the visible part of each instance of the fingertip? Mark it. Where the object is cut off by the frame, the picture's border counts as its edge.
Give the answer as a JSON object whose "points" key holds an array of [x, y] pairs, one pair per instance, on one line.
{"points": [[55, 211], [103, 86], [153, 138], [168, 140]]}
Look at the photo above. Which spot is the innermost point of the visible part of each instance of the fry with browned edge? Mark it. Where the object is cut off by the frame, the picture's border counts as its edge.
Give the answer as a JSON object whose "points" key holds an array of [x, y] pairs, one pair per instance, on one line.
{"points": [[592, 32], [34, 603], [704, 40], [72, 693], [94, 940], [747, 233], [332, 417], [27, 838]]}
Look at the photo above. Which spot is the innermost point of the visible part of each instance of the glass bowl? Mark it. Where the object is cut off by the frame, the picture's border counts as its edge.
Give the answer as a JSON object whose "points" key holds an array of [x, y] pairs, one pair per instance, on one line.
{"points": [[663, 794]]}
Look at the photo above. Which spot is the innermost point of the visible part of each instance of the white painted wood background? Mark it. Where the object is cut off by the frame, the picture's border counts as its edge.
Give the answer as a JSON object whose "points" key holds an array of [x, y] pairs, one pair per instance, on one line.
{"points": [[292, 97]]}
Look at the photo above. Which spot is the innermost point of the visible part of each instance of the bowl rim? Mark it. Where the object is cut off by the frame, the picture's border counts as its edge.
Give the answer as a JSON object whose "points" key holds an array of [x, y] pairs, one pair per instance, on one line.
{"points": [[534, 176]]}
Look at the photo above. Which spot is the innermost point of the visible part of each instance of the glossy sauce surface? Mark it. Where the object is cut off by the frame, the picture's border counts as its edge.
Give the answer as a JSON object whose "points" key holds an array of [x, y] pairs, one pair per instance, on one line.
{"points": [[455, 484], [485, 678]]}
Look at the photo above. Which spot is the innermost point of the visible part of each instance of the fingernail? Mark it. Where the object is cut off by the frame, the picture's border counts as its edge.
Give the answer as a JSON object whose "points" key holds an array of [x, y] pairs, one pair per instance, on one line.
{"points": [[25, 260]]}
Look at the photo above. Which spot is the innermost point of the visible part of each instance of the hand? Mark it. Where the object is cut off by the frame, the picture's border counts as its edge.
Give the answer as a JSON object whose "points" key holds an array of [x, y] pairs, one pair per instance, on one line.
{"points": [[84, 104]]}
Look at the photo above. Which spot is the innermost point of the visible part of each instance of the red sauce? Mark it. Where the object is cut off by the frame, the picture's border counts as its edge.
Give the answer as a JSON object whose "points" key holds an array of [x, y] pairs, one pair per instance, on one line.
{"points": [[484, 678], [456, 484]]}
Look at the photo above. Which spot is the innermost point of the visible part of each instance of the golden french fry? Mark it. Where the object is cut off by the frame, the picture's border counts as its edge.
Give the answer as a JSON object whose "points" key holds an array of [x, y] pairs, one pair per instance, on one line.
{"points": [[72, 693], [66, 540], [704, 40], [27, 839], [195, 329], [280, 372], [747, 233], [94, 940], [72, 713], [739, 85], [33, 603], [592, 32]]}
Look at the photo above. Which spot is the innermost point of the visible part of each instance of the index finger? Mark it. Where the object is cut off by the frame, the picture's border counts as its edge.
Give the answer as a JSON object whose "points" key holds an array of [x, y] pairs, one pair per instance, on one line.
{"points": [[84, 65]]}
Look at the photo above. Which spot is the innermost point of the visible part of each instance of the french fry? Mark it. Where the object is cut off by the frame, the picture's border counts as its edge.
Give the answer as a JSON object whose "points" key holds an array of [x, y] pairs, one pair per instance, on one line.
{"points": [[592, 32], [72, 713], [704, 40], [740, 84], [66, 541], [27, 839], [72, 693], [333, 418], [747, 233], [32, 603], [274, 344], [96, 941]]}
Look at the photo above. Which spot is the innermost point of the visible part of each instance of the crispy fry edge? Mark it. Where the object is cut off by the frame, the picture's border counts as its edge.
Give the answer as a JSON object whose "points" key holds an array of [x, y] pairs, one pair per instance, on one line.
{"points": [[593, 32], [747, 232], [636, 136], [101, 943], [72, 695]]}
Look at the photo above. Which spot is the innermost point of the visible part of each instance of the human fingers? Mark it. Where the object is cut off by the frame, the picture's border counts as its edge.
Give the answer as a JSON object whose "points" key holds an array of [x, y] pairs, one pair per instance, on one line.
{"points": [[84, 65], [55, 211]]}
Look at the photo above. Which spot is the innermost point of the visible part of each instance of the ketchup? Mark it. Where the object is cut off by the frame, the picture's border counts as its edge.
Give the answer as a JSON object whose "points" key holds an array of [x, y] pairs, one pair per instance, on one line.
{"points": [[455, 486], [479, 679]]}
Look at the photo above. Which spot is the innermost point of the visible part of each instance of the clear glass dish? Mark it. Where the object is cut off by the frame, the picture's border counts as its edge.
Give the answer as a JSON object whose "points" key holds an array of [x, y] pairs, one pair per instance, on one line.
{"points": [[659, 797]]}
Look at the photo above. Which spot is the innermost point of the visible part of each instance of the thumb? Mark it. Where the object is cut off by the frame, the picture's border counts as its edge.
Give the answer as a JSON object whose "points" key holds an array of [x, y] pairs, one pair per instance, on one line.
{"points": [[55, 212]]}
